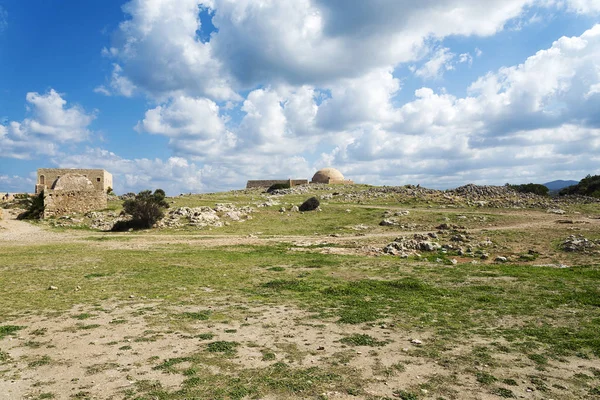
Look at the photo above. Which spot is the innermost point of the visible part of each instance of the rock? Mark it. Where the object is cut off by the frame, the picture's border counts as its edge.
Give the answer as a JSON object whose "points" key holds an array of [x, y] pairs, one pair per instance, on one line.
{"points": [[294, 209], [388, 222], [53, 288], [501, 259], [416, 342], [556, 211], [282, 210], [454, 261]]}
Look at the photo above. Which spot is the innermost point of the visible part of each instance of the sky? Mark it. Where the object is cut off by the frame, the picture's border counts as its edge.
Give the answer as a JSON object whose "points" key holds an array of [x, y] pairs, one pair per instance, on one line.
{"points": [[202, 95]]}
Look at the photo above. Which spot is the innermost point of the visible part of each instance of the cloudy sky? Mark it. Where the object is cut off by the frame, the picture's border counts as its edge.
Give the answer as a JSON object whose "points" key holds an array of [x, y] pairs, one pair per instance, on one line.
{"points": [[201, 95]]}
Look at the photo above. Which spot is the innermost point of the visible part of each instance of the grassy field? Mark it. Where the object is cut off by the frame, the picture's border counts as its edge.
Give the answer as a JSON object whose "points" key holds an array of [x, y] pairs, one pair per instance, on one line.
{"points": [[276, 307]]}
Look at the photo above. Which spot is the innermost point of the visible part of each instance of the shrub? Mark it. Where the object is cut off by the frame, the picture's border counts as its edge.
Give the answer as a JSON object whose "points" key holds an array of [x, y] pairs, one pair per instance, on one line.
{"points": [[588, 186], [310, 204], [277, 186], [534, 188], [34, 207], [146, 208], [109, 190]]}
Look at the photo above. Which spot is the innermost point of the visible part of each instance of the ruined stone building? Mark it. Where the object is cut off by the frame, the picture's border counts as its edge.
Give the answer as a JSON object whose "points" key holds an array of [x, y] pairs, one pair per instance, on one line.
{"points": [[47, 177], [69, 191], [330, 176]]}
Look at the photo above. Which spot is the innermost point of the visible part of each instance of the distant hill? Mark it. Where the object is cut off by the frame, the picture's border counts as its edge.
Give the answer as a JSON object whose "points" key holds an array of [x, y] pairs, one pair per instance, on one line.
{"points": [[557, 185]]}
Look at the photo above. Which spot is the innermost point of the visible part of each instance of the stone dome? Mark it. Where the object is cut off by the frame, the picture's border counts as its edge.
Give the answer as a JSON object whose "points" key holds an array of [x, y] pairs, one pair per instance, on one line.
{"points": [[73, 182], [326, 175]]}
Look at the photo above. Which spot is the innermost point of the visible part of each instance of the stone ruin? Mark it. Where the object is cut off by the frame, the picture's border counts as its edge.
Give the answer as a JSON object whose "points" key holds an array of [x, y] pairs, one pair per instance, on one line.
{"points": [[73, 193]]}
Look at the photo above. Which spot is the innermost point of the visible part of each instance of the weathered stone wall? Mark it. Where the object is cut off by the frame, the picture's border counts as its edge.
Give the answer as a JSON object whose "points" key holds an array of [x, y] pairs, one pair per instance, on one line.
{"points": [[62, 202], [269, 182], [265, 183], [340, 182], [100, 178], [298, 182]]}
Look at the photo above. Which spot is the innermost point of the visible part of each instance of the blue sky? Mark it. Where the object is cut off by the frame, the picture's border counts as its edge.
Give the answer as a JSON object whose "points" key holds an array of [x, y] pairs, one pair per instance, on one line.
{"points": [[199, 96]]}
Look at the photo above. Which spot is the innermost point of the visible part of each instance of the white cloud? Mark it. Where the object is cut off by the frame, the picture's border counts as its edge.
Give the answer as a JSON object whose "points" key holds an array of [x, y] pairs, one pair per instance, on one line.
{"points": [[51, 124], [300, 42], [3, 19], [465, 58], [359, 100], [584, 6], [184, 117], [439, 62]]}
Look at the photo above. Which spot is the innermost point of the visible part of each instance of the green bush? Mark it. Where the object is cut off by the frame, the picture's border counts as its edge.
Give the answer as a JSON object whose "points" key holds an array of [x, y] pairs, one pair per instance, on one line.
{"points": [[310, 204], [34, 207], [534, 188], [277, 186], [588, 186], [146, 208]]}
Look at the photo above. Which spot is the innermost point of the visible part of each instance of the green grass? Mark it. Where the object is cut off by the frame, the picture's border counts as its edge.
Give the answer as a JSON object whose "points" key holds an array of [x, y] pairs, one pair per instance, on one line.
{"points": [[6, 330], [362, 340], [222, 346]]}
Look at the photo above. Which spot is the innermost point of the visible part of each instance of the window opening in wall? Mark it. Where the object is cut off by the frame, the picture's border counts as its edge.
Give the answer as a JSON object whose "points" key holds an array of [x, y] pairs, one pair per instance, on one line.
{"points": [[97, 179], [42, 180]]}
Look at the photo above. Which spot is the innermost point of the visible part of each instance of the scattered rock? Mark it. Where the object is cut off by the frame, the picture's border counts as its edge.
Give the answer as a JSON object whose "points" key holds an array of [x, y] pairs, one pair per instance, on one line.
{"points": [[53, 288], [501, 259], [557, 211]]}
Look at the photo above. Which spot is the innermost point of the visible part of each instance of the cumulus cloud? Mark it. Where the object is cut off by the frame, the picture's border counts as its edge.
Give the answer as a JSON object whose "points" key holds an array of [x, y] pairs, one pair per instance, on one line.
{"points": [[439, 62], [51, 124], [301, 42], [536, 116]]}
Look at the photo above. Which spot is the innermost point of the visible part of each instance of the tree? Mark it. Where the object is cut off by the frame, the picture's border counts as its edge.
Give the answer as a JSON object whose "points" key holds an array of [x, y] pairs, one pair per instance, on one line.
{"points": [[34, 207], [146, 208]]}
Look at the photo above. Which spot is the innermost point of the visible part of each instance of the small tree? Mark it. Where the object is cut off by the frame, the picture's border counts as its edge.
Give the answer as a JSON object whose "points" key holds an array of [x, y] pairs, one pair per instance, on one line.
{"points": [[146, 208], [310, 204], [34, 207]]}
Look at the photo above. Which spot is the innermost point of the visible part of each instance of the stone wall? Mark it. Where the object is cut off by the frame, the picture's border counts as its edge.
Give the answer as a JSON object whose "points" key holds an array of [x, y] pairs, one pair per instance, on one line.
{"points": [[62, 202], [265, 183], [341, 182], [269, 182], [298, 182], [46, 177]]}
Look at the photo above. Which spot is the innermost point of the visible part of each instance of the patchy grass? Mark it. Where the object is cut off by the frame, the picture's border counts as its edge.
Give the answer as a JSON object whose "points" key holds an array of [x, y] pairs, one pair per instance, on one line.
{"points": [[6, 330], [222, 346], [186, 284], [363, 340]]}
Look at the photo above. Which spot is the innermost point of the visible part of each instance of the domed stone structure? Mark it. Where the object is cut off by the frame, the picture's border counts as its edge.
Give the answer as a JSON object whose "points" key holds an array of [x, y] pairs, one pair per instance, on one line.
{"points": [[73, 182], [329, 176]]}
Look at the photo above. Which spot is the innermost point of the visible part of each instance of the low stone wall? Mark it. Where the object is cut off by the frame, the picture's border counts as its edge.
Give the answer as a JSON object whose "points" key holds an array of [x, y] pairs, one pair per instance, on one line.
{"points": [[269, 182], [265, 183], [340, 182], [63, 202], [298, 182]]}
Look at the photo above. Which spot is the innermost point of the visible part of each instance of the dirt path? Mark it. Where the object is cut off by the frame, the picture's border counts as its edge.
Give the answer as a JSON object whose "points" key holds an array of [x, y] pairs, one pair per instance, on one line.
{"points": [[14, 232]]}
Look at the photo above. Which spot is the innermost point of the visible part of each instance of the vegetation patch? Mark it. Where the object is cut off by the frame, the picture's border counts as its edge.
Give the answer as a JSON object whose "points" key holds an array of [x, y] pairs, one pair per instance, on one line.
{"points": [[6, 330], [222, 346], [362, 340]]}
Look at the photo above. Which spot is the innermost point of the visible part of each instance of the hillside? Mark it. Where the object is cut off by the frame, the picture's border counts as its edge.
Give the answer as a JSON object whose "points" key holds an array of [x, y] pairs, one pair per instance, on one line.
{"points": [[559, 184]]}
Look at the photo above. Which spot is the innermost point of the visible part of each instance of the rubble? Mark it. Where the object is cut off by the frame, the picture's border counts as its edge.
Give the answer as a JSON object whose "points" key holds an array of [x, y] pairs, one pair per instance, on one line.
{"points": [[405, 246], [578, 243]]}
